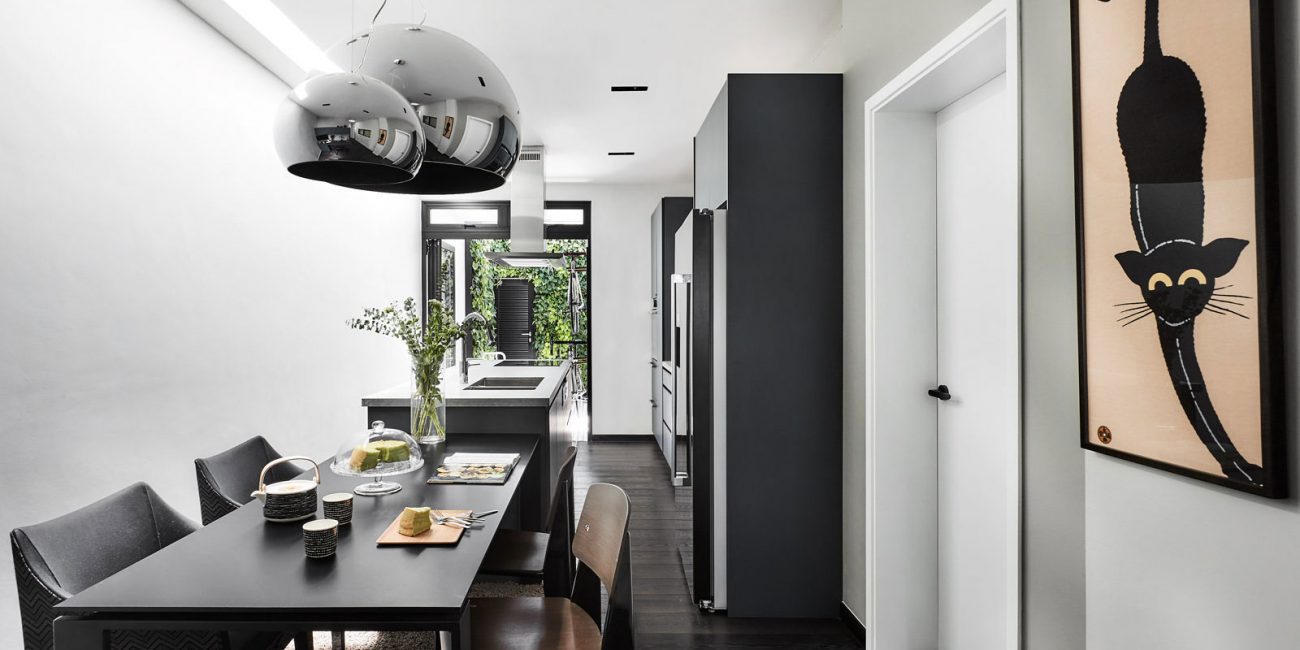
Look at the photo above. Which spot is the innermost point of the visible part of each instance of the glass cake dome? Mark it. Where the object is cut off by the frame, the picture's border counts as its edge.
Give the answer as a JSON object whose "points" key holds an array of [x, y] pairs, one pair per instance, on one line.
{"points": [[376, 453]]}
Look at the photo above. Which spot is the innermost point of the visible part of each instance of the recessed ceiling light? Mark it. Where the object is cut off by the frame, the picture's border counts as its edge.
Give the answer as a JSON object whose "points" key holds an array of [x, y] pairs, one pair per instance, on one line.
{"points": [[628, 89], [622, 153]]}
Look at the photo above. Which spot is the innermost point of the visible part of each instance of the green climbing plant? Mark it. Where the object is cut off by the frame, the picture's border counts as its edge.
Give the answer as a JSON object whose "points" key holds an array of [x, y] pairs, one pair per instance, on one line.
{"points": [[551, 305]]}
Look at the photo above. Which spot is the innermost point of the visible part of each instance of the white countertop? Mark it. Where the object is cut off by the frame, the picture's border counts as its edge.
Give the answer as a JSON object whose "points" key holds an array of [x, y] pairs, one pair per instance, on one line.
{"points": [[457, 396]]}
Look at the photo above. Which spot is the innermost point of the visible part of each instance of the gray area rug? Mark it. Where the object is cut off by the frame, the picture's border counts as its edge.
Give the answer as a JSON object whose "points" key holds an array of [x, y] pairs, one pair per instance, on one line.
{"points": [[421, 640], [379, 641]]}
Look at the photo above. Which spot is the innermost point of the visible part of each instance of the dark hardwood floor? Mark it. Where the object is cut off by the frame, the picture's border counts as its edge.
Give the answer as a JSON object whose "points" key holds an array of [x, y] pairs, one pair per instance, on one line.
{"points": [[666, 616]]}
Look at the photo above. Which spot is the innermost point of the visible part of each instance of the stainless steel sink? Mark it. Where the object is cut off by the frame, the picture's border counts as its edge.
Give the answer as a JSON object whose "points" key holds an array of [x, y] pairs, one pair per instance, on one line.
{"points": [[515, 363], [506, 383]]}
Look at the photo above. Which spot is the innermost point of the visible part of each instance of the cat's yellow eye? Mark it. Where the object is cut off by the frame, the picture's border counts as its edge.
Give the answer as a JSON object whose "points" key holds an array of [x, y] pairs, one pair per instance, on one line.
{"points": [[1160, 279], [1192, 274]]}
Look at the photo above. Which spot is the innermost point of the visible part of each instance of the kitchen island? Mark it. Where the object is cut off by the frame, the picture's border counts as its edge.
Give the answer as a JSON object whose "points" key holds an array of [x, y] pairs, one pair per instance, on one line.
{"points": [[547, 410]]}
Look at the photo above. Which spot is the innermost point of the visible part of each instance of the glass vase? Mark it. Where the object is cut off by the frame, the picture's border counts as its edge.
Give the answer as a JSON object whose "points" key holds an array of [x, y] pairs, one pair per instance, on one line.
{"points": [[428, 416]]}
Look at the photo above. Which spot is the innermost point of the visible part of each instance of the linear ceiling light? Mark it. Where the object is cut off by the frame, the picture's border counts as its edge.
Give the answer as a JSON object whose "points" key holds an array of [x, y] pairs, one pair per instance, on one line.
{"points": [[276, 27]]}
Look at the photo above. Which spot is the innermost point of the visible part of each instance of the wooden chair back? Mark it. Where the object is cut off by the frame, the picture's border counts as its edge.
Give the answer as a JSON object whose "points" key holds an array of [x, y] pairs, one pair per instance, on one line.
{"points": [[601, 545]]}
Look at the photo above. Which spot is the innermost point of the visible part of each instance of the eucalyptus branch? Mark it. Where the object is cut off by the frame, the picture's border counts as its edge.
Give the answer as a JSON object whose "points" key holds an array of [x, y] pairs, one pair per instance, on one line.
{"points": [[427, 343]]}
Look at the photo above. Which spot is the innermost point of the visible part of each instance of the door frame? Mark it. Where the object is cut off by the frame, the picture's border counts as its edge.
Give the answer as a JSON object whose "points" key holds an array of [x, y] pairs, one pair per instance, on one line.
{"points": [[501, 230], [901, 533]]}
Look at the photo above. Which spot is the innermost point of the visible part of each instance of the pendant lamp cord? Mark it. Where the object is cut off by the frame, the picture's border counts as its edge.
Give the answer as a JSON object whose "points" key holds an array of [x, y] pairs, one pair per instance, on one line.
{"points": [[370, 36], [382, 4], [352, 34]]}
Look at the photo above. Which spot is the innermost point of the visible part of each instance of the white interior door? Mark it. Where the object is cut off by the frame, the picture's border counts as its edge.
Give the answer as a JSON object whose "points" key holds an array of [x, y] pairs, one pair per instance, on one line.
{"points": [[977, 352]]}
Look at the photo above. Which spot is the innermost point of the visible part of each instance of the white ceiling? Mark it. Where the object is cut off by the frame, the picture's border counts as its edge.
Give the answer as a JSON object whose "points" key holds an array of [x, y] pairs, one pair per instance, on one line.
{"points": [[562, 56]]}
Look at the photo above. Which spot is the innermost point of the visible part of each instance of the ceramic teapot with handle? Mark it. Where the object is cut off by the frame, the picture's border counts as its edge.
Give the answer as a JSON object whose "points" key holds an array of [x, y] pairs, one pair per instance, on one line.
{"points": [[286, 501]]}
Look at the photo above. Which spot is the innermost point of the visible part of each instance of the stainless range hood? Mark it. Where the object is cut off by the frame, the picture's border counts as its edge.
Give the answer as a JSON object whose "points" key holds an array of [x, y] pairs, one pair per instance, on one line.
{"points": [[527, 213]]}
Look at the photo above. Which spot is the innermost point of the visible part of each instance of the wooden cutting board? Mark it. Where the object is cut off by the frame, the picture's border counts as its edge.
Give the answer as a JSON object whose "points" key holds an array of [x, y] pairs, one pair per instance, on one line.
{"points": [[438, 535]]}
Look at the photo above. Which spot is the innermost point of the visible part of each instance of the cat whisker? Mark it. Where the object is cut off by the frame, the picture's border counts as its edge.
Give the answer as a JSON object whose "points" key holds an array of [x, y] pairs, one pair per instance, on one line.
{"points": [[1215, 310], [1134, 320], [1233, 295], [1227, 302], [1226, 286], [1235, 313], [1134, 308], [1122, 304]]}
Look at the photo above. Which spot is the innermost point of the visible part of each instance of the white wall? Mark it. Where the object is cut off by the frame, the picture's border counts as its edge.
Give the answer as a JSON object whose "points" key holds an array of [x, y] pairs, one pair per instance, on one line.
{"points": [[880, 38], [620, 300], [1053, 482], [166, 288], [1179, 564], [1170, 562]]}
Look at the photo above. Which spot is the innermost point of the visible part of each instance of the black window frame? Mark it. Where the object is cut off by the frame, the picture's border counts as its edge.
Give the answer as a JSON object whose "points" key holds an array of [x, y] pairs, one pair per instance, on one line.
{"points": [[502, 228], [566, 231], [466, 231]]}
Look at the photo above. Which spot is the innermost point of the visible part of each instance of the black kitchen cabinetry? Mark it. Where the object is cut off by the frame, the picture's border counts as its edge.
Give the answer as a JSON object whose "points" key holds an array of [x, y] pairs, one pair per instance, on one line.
{"points": [[768, 253]]}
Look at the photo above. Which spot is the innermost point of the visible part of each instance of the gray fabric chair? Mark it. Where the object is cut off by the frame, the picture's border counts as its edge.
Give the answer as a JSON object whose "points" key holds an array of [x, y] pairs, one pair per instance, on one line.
{"points": [[228, 479], [63, 556]]}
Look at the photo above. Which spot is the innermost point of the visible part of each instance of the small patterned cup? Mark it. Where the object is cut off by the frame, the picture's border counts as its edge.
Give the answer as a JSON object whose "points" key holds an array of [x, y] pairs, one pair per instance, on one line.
{"points": [[320, 538], [338, 506]]}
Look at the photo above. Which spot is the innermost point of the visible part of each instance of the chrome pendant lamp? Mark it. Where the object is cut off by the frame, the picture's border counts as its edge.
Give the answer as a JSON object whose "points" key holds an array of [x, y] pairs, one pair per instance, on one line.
{"points": [[420, 112], [348, 127], [465, 107]]}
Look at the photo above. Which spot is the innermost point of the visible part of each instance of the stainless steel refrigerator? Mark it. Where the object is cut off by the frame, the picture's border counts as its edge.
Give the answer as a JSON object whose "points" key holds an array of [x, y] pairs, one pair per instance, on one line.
{"points": [[697, 433]]}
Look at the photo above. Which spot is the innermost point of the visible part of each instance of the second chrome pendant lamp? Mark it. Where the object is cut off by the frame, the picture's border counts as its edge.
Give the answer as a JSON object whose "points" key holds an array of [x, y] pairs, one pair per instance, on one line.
{"points": [[419, 112]]}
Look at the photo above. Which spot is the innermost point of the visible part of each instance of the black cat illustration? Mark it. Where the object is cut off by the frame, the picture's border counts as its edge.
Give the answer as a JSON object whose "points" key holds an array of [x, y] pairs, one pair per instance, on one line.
{"points": [[1161, 124]]}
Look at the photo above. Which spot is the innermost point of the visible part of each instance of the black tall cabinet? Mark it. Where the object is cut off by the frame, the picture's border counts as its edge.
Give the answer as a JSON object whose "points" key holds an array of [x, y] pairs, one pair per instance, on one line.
{"points": [[768, 376]]}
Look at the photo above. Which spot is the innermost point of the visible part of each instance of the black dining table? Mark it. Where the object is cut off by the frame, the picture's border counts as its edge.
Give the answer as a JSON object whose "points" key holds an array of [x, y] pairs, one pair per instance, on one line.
{"points": [[244, 573]]}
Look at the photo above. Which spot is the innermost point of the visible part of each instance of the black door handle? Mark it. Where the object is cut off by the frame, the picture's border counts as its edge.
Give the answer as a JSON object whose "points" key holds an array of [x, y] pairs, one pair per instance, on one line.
{"points": [[941, 392]]}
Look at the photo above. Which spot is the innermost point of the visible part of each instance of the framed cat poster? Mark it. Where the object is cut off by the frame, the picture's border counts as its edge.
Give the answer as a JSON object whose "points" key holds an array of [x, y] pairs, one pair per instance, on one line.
{"points": [[1176, 190]]}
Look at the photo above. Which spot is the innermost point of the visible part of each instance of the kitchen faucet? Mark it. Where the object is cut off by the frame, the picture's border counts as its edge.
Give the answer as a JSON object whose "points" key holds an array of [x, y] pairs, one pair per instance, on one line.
{"points": [[467, 343]]}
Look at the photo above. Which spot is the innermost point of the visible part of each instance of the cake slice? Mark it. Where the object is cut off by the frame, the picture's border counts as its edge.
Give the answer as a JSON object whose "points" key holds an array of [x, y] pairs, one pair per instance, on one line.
{"points": [[414, 521], [364, 458], [391, 451]]}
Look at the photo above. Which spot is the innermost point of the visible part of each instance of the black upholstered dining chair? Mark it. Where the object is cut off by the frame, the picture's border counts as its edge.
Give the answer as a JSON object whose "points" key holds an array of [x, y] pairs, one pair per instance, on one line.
{"points": [[572, 622], [228, 479], [547, 556], [58, 558]]}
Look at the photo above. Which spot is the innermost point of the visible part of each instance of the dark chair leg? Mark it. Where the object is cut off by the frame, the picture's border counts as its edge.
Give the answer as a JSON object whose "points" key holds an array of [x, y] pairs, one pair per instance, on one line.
{"points": [[336, 639], [302, 641]]}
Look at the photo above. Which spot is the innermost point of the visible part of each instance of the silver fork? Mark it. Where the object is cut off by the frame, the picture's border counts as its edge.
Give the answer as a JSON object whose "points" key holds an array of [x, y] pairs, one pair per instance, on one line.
{"points": [[457, 522]]}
